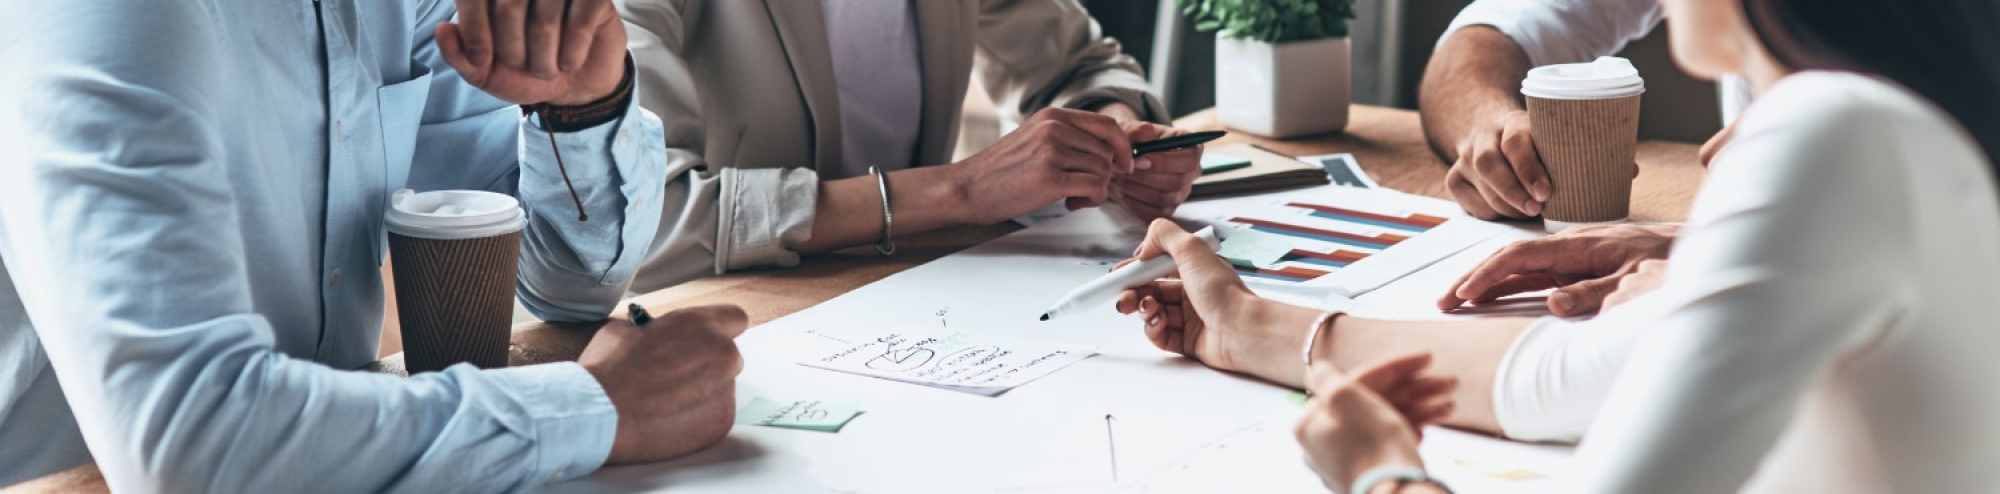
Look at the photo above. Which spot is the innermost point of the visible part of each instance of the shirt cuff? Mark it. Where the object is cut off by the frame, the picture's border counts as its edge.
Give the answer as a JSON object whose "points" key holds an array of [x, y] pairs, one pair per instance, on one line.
{"points": [[766, 214], [574, 423], [1149, 106]]}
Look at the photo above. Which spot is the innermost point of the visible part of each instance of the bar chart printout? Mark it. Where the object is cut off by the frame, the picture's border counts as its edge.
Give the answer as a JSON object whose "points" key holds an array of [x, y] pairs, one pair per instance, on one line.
{"points": [[1328, 236]]}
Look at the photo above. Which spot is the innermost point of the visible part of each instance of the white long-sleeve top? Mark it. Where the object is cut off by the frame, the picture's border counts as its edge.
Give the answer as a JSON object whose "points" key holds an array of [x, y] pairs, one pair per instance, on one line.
{"points": [[1825, 324]]}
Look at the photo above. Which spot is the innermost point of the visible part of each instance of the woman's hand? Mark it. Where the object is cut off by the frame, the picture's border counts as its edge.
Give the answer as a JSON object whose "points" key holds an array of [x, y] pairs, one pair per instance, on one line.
{"points": [[1584, 265], [1161, 181], [1208, 314], [1056, 155], [1372, 418], [1649, 275]]}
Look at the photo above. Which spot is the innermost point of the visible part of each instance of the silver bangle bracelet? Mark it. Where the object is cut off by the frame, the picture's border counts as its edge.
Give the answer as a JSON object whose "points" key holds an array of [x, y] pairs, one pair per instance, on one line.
{"points": [[1334, 306], [887, 246], [1312, 337]]}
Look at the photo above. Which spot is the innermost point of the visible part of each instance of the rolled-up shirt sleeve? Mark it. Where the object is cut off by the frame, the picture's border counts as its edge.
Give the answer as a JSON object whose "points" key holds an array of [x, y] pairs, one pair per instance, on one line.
{"points": [[1562, 31], [573, 268], [119, 221], [1035, 54]]}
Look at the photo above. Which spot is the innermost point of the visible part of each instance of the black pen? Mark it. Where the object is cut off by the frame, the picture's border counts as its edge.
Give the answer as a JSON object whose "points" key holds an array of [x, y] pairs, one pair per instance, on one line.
{"points": [[639, 316], [1175, 142]]}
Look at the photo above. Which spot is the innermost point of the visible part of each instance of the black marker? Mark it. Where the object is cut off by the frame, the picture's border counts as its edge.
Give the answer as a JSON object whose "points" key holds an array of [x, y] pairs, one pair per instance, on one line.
{"points": [[639, 316], [1175, 142]]}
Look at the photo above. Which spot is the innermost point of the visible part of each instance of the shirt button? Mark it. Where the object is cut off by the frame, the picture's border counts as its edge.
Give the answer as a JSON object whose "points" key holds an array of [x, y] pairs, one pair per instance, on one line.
{"points": [[334, 278], [621, 139], [340, 129]]}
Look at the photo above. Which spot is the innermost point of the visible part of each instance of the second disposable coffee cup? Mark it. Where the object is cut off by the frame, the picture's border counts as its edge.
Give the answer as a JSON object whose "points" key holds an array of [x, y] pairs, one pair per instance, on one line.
{"points": [[1586, 128], [456, 253]]}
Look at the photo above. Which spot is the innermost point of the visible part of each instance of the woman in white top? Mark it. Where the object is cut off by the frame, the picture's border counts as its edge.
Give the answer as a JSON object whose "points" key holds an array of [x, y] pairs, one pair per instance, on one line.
{"points": [[1823, 326]]}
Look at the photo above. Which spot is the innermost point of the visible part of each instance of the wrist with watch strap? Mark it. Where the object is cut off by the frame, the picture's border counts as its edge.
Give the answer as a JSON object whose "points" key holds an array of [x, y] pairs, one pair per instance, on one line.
{"points": [[563, 118]]}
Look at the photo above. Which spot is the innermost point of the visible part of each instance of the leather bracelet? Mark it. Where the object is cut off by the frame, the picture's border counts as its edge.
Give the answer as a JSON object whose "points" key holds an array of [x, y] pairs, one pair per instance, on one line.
{"points": [[558, 118], [888, 245], [1400, 475]]}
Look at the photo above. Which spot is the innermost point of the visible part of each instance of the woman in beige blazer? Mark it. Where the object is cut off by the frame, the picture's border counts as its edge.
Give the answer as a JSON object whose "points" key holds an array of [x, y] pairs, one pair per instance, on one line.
{"points": [[769, 150]]}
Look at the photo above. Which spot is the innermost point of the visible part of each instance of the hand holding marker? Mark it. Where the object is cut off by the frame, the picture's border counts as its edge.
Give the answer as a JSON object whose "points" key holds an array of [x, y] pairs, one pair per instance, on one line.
{"points": [[1106, 288]]}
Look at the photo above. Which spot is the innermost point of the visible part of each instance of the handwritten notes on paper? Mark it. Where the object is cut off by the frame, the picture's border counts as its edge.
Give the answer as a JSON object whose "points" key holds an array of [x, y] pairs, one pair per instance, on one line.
{"points": [[811, 415], [954, 360]]}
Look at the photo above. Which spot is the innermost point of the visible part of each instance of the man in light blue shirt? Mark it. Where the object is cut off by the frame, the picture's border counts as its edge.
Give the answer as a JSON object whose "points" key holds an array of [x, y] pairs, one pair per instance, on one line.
{"points": [[191, 203]]}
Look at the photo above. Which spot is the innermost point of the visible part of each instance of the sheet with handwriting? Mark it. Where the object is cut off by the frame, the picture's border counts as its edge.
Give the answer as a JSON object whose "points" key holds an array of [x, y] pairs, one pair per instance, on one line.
{"points": [[982, 364]]}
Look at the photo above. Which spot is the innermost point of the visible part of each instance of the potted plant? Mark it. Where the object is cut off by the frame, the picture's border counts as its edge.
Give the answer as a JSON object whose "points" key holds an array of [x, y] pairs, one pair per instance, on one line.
{"points": [[1281, 66]]}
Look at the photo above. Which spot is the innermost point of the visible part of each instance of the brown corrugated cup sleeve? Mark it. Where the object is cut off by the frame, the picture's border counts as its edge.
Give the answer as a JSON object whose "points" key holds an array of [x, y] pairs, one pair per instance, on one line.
{"points": [[456, 299], [1588, 147]]}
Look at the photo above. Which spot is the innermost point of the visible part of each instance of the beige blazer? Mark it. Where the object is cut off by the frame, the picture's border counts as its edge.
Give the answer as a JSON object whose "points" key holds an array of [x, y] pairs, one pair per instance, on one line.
{"points": [[745, 89]]}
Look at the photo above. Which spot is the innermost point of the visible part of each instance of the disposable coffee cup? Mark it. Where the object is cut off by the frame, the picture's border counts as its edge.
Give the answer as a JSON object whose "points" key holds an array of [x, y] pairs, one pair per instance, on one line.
{"points": [[1586, 128], [456, 253]]}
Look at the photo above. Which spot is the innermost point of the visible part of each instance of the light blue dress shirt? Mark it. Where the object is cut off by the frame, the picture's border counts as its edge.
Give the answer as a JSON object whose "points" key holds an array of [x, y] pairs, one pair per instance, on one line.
{"points": [[191, 201]]}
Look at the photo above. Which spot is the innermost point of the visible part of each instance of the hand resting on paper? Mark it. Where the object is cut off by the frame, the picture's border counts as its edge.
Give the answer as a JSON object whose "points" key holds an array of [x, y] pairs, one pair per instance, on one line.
{"points": [[1585, 265]]}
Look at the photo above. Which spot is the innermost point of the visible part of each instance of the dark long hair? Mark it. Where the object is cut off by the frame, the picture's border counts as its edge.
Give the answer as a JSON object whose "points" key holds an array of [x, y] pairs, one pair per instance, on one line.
{"points": [[1948, 51]]}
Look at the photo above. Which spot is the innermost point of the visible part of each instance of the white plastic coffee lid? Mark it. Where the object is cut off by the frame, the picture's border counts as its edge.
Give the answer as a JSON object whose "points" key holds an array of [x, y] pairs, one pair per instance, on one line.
{"points": [[454, 214], [1607, 77]]}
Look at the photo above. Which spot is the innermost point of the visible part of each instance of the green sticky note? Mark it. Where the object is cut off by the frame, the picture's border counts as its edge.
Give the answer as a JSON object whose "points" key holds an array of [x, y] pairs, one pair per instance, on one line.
{"points": [[811, 415], [1255, 249], [1218, 163], [1298, 398]]}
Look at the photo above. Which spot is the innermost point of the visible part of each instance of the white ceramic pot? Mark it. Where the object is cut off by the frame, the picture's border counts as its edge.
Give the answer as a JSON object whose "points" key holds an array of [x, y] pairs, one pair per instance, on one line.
{"points": [[1282, 90]]}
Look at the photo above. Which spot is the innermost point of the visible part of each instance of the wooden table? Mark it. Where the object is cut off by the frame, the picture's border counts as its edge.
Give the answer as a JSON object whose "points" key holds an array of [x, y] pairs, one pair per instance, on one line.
{"points": [[1389, 144]]}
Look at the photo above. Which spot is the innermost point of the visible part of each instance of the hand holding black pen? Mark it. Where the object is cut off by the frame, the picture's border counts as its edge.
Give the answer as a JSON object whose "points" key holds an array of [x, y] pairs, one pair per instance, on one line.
{"points": [[1176, 142], [637, 313], [671, 379]]}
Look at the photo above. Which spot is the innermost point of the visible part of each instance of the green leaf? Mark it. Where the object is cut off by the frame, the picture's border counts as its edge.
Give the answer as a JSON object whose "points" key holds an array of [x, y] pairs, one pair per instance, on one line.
{"points": [[1271, 21]]}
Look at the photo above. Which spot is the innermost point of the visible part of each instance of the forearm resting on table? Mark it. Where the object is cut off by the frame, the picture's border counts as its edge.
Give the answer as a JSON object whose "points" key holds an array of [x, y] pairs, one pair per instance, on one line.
{"points": [[849, 212], [1474, 76], [1470, 350], [84, 478], [925, 198]]}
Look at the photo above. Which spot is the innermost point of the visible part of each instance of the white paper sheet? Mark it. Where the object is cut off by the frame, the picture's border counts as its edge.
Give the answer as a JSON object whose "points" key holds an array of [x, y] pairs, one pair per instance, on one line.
{"points": [[983, 363], [1265, 457], [1043, 437]]}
